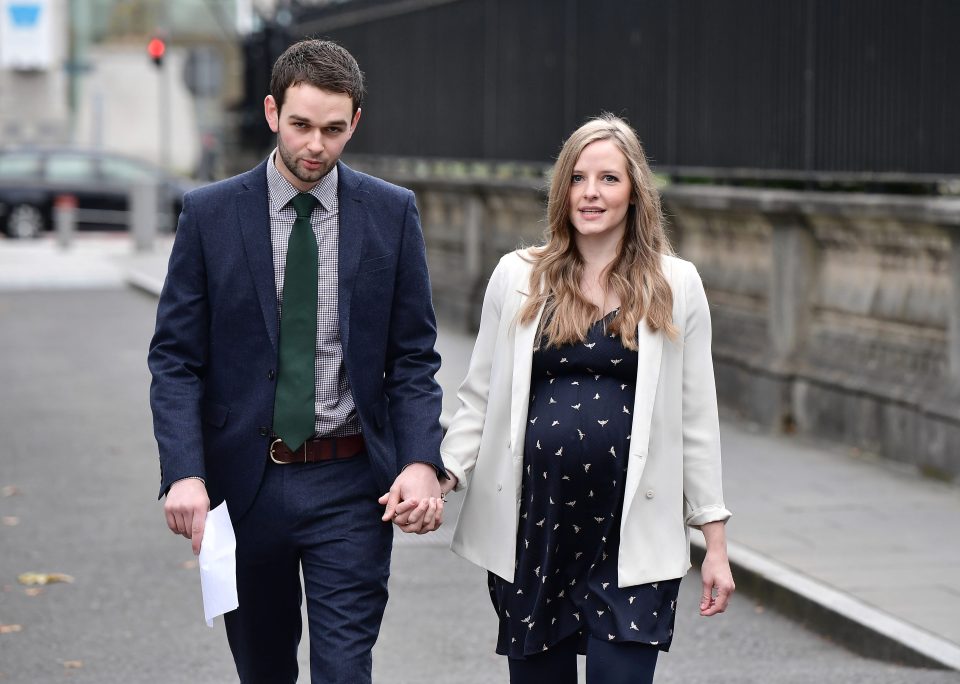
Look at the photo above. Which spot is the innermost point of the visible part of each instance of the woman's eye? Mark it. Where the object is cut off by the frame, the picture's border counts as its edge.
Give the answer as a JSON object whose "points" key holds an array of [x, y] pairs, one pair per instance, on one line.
{"points": [[610, 179], [576, 178]]}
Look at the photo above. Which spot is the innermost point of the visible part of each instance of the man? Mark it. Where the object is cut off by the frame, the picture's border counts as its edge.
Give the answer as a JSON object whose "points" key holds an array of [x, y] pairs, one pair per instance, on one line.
{"points": [[293, 376]]}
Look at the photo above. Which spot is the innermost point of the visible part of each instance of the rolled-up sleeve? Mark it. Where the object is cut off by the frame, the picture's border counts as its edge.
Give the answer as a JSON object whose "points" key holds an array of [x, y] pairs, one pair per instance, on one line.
{"points": [[702, 486]]}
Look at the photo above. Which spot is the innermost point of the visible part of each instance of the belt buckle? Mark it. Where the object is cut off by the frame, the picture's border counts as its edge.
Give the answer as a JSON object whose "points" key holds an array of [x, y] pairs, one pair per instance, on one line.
{"points": [[272, 457]]}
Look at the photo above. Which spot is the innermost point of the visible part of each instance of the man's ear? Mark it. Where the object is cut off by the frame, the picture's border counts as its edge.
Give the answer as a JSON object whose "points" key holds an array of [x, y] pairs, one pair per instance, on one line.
{"points": [[356, 120], [272, 113]]}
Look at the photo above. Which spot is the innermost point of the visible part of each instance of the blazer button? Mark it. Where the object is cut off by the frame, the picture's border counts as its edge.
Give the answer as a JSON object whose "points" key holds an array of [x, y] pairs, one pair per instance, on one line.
{"points": [[271, 374], [499, 487], [264, 432], [649, 493]]}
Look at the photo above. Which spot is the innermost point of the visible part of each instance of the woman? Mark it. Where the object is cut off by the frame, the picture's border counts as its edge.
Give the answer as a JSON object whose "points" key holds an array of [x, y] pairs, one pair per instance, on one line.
{"points": [[587, 436]]}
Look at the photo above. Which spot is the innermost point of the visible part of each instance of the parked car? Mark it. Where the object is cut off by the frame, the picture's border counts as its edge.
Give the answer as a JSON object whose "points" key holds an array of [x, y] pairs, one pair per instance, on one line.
{"points": [[32, 178]]}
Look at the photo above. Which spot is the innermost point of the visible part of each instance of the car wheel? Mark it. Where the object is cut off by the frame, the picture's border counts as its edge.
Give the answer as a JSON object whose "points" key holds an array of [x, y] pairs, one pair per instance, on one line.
{"points": [[25, 221]]}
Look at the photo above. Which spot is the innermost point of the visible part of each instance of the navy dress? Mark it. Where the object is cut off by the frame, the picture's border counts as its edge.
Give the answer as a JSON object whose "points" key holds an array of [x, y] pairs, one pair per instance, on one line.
{"points": [[574, 472]]}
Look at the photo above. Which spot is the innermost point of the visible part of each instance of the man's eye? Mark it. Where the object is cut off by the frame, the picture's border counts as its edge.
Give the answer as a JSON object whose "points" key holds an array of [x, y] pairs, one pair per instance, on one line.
{"points": [[299, 124], [333, 130]]}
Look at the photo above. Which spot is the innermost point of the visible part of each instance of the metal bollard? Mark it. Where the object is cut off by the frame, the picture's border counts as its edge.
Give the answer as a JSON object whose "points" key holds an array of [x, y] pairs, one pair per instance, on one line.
{"points": [[65, 219], [143, 215]]}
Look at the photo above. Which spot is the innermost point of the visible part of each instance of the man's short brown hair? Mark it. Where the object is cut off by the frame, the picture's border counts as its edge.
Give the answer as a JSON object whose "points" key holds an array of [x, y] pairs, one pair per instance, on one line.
{"points": [[320, 63]]}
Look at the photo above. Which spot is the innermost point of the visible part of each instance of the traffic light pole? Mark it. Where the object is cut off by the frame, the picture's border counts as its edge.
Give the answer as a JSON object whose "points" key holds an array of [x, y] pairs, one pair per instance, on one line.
{"points": [[164, 114]]}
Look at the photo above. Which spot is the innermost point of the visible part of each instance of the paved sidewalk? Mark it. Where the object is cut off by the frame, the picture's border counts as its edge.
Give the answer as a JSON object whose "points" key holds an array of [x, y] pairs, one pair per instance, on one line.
{"points": [[864, 551]]}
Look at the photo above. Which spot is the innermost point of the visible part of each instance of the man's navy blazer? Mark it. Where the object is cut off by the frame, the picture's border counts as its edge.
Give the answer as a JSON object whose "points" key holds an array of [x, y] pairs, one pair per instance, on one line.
{"points": [[213, 356]]}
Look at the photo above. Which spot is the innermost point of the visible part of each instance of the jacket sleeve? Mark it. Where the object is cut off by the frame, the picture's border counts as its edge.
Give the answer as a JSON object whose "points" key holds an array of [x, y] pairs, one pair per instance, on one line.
{"points": [[178, 356], [702, 488], [414, 397], [461, 444]]}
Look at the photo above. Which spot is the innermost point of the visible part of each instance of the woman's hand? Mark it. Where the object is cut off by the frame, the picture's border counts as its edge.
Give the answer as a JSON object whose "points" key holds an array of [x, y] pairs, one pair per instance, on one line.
{"points": [[718, 583]]}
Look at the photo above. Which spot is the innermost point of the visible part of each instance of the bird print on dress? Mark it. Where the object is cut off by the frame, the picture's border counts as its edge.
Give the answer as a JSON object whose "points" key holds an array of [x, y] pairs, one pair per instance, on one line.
{"points": [[565, 578]]}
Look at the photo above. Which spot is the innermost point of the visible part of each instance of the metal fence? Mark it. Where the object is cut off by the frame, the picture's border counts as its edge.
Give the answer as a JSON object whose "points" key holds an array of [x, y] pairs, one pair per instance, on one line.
{"points": [[805, 89]]}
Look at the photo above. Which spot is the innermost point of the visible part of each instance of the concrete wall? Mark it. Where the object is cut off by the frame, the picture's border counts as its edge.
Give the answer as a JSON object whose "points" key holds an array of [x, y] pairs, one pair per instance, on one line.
{"points": [[835, 315]]}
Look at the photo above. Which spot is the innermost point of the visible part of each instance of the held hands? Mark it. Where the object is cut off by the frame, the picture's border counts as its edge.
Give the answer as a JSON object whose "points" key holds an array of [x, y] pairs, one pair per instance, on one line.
{"points": [[186, 509], [415, 502]]}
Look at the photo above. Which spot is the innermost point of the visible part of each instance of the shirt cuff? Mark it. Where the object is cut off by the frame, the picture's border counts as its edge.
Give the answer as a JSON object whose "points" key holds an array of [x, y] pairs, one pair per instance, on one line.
{"points": [[189, 477]]}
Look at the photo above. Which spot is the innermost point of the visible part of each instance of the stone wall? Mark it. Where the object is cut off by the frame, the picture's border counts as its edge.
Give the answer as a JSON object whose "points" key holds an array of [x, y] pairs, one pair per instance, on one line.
{"points": [[835, 315]]}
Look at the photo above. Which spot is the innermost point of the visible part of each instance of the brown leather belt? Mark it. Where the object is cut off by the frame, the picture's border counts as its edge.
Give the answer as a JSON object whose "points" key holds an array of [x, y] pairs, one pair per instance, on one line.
{"points": [[316, 450]]}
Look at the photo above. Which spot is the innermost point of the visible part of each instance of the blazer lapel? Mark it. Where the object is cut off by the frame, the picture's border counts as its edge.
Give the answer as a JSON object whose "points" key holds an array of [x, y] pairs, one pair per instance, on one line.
{"points": [[649, 355], [253, 215], [353, 221], [524, 339]]}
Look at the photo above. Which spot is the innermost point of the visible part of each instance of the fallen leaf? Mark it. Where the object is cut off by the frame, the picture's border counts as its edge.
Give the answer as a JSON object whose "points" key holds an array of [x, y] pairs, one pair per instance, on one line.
{"points": [[43, 578], [189, 565], [9, 629], [758, 609], [10, 490], [33, 591], [73, 664], [10, 520]]}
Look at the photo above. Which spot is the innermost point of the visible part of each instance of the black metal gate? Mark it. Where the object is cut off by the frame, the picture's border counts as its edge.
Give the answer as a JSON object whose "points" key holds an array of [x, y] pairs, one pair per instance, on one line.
{"points": [[754, 88]]}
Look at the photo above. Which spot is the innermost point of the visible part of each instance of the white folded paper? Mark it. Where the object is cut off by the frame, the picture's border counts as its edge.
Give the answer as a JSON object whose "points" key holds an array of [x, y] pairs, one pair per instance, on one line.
{"points": [[218, 565]]}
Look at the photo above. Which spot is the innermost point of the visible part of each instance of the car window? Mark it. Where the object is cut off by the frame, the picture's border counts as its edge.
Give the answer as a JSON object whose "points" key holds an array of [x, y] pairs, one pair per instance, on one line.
{"points": [[125, 170], [69, 167], [19, 165]]}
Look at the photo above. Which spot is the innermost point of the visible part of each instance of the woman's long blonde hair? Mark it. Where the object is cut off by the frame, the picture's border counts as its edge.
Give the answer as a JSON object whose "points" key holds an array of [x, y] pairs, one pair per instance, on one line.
{"points": [[635, 274]]}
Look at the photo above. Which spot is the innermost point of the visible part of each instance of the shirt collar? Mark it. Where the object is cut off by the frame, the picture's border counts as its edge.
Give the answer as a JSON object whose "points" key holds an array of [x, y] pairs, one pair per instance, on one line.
{"points": [[281, 191]]}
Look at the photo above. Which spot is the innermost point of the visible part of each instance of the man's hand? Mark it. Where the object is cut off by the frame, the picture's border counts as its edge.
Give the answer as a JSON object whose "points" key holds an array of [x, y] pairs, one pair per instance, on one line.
{"points": [[186, 509], [414, 502]]}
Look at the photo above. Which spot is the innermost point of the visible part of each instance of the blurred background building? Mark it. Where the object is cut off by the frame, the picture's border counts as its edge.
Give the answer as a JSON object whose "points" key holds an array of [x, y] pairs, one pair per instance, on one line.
{"points": [[78, 72]]}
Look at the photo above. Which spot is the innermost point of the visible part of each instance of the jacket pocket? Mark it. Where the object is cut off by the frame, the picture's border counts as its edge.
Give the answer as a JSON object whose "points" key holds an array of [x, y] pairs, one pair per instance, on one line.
{"points": [[375, 264], [214, 414]]}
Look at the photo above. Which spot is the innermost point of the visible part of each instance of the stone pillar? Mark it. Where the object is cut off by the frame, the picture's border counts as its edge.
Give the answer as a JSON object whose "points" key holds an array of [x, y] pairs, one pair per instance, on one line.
{"points": [[475, 218], [953, 322], [793, 277]]}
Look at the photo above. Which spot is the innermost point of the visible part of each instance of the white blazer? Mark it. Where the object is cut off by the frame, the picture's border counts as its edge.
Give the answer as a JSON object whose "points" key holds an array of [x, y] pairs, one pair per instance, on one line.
{"points": [[673, 467]]}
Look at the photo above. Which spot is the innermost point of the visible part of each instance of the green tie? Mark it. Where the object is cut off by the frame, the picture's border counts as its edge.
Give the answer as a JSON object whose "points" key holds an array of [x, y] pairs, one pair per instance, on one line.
{"points": [[294, 409]]}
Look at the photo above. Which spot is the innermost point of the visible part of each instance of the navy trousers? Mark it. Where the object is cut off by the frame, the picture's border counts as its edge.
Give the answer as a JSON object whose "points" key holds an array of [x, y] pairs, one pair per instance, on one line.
{"points": [[323, 518], [607, 663]]}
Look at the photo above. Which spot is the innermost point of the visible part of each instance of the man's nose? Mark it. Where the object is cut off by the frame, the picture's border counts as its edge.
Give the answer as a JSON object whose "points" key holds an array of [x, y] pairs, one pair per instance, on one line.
{"points": [[315, 144]]}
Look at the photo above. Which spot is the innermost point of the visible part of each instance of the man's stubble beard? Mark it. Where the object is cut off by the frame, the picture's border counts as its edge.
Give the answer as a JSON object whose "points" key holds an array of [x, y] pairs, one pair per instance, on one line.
{"points": [[290, 161]]}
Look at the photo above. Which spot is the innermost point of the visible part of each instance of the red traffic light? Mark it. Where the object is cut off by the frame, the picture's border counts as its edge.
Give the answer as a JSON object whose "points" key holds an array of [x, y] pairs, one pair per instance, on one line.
{"points": [[155, 48]]}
